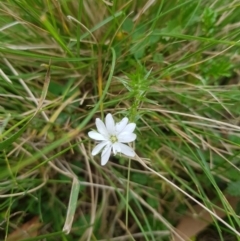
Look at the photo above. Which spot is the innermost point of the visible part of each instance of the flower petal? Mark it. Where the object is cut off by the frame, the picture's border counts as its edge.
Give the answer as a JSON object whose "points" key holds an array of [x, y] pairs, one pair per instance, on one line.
{"points": [[99, 147], [110, 124], [121, 125], [105, 155], [129, 128], [116, 148], [127, 150], [96, 136], [126, 137], [101, 127]]}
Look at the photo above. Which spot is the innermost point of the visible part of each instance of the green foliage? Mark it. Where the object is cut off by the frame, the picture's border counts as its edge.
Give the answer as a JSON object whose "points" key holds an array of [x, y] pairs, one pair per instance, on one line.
{"points": [[209, 19], [214, 69], [138, 85]]}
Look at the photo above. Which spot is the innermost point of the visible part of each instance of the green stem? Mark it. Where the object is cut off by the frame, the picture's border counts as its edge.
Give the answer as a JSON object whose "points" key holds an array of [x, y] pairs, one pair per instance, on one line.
{"points": [[127, 198]]}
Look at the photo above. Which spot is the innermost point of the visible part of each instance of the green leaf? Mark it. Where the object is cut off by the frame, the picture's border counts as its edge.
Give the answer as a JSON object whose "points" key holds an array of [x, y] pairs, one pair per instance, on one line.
{"points": [[128, 25], [234, 188], [140, 178]]}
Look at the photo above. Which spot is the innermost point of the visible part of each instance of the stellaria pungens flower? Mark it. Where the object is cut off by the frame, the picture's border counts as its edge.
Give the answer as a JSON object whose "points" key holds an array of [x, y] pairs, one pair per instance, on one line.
{"points": [[112, 137]]}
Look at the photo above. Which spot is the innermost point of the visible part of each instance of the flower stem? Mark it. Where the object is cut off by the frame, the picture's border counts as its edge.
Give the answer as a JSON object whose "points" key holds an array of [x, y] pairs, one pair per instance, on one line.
{"points": [[127, 197]]}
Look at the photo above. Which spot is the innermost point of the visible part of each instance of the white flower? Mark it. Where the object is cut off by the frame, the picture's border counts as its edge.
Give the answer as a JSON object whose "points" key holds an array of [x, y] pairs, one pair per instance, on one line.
{"points": [[112, 137]]}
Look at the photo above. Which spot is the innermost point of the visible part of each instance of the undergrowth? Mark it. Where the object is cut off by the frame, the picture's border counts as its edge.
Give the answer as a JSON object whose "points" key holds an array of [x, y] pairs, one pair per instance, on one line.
{"points": [[171, 67]]}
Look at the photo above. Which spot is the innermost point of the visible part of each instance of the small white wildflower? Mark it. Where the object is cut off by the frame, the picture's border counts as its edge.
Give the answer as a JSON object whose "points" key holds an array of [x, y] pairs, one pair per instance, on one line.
{"points": [[112, 137]]}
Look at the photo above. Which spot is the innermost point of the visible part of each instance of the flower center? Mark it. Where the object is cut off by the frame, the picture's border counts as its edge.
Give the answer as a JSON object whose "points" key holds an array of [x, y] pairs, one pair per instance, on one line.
{"points": [[113, 139]]}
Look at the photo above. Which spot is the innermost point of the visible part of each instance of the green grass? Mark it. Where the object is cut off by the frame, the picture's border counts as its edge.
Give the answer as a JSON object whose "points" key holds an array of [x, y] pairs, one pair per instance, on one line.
{"points": [[172, 67]]}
